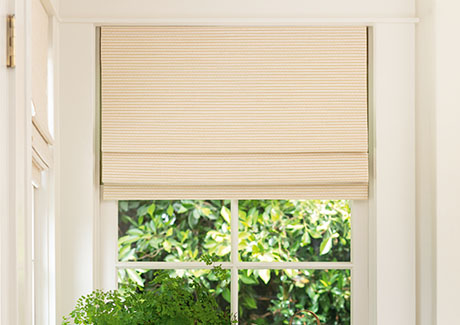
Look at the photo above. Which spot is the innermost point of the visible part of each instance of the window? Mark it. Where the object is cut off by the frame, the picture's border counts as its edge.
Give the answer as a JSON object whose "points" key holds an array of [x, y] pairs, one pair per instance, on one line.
{"points": [[283, 256], [166, 134]]}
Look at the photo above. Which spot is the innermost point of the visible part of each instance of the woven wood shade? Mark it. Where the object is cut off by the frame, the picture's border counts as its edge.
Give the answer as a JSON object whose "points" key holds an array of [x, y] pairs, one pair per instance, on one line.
{"points": [[234, 112]]}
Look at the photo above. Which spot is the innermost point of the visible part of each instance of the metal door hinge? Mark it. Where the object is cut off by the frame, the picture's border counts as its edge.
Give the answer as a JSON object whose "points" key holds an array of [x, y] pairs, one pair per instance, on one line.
{"points": [[10, 39]]}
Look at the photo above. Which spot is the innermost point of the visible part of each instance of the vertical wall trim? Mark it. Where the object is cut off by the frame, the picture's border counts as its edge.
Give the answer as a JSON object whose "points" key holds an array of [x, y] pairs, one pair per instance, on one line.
{"points": [[372, 230], [97, 149], [394, 187], [77, 169], [447, 153], [21, 183], [426, 162]]}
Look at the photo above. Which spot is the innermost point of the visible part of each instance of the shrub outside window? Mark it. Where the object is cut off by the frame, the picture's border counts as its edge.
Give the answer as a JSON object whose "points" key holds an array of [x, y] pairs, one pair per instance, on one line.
{"points": [[284, 257]]}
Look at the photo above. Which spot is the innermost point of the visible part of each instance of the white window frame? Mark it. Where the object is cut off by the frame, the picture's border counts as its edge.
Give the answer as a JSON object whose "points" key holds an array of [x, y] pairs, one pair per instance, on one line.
{"points": [[358, 264]]}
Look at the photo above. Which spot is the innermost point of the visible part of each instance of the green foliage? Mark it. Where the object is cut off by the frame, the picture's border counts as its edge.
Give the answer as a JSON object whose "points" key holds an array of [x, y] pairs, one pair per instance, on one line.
{"points": [[172, 301], [173, 230], [326, 293], [269, 230], [220, 273], [292, 230]]}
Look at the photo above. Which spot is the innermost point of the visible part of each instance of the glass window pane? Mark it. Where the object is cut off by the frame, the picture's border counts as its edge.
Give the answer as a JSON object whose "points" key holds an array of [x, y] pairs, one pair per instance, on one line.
{"points": [[294, 230], [279, 296], [173, 230]]}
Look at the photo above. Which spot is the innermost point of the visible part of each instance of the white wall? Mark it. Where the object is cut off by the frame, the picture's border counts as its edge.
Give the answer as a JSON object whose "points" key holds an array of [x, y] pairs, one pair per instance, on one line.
{"points": [[235, 8], [426, 163], [447, 99], [76, 160], [77, 112], [393, 118], [392, 240], [438, 158]]}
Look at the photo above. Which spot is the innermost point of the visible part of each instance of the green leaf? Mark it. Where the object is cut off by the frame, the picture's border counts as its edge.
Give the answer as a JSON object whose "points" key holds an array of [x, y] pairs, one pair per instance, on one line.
{"points": [[128, 219], [127, 240], [167, 246], [250, 302], [248, 279], [170, 211], [326, 245], [264, 275], [315, 234], [192, 220], [132, 274], [226, 294], [151, 209], [275, 215], [305, 239], [135, 231], [155, 242], [294, 227], [142, 210], [196, 214], [205, 211], [253, 213], [242, 215], [123, 205], [223, 250], [225, 213]]}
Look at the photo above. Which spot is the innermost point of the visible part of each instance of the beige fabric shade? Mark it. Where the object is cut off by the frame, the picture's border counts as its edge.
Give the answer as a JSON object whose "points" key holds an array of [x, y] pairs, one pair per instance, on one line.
{"points": [[41, 138], [234, 112]]}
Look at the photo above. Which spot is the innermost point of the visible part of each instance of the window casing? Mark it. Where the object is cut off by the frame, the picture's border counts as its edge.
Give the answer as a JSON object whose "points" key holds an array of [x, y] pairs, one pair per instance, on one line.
{"points": [[358, 264], [391, 167]]}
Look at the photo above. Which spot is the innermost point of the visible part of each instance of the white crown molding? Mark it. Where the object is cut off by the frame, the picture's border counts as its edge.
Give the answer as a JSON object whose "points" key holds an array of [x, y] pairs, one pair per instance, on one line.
{"points": [[241, 21]]}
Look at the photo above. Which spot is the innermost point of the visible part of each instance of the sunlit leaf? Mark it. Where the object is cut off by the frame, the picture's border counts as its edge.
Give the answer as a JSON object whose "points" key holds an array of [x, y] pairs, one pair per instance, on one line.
{"points": [[223, 250], [135, 231], [151, 209], [225, 213], [305, 238], [170, 211], [127, 239], [205, 211], [326, 245], [167, 246], [264, 275], [134, 276]]}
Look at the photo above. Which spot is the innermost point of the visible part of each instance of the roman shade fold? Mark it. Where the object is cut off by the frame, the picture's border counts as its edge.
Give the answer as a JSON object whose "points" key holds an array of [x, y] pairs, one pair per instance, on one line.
{"points": [[234, 112], [41, 137]]}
